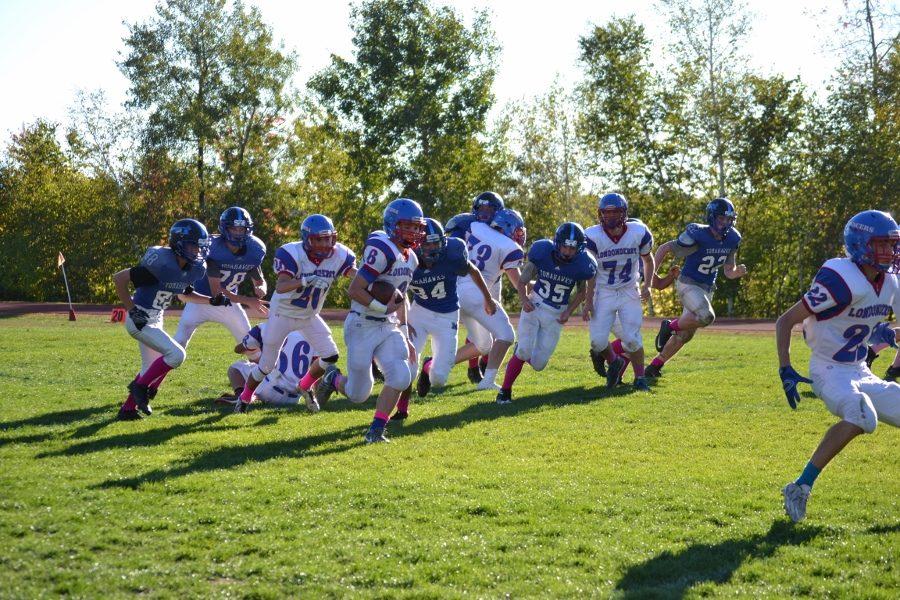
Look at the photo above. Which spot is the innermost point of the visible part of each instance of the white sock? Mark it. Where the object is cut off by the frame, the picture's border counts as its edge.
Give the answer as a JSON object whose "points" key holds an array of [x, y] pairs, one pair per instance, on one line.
{"points": [[490, 375]]}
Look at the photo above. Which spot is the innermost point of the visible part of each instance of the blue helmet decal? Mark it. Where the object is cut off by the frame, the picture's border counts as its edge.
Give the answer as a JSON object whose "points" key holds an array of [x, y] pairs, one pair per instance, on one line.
{"points": [[568, 235], [186, 232], [511, 223], [612, 202], [724, 208], [235, 216], [863, 230], [434, 233], [485, 206], [316, 226], [404, 211]]}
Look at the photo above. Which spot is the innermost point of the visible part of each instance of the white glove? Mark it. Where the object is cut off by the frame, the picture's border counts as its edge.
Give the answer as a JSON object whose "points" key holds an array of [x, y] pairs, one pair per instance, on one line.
{"points": [[318, 282]]}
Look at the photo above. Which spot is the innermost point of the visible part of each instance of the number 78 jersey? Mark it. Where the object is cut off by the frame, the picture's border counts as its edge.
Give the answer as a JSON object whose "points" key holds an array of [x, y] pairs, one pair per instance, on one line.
{"points": [[846, 306], [618, 259]]}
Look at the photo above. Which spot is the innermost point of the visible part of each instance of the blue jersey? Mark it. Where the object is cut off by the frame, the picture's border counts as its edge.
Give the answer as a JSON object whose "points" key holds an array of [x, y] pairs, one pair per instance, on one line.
{"points": [[459, 225], [707, 255], [555, 278], [435, 288], [171, 279], [231, 268]]}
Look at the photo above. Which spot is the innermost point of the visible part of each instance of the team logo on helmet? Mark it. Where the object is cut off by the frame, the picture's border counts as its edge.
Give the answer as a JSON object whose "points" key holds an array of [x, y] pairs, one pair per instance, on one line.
{"points": [[872, 238], [235, 217], [569, 236], [404, 222], [189, 239], [721, 216], [319, 236]]}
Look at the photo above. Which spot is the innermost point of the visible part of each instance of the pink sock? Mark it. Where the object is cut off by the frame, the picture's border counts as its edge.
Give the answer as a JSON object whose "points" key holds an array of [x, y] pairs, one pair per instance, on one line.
{"points": [[674, 326], [247, 394], [426, 368], [513, 368], [402, 404], [638, 369], [616, 346], [130, 404], [307, 381], [657, 362], [473, 362], [157, 370], [382, 416]]}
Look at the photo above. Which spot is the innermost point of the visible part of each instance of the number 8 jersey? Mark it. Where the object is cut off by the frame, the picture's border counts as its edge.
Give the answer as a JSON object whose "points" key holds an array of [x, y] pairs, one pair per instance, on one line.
{"points": [[846, 306]]}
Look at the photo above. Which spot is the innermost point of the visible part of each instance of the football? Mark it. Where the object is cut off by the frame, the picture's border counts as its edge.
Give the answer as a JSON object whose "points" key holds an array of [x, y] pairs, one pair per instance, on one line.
{"points": [[382, 291]]}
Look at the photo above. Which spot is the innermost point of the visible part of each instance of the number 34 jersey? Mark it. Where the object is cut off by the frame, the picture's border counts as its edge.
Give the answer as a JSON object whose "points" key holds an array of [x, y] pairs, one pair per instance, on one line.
{"points": [[618, 259], [435, 288], [846, 306]]}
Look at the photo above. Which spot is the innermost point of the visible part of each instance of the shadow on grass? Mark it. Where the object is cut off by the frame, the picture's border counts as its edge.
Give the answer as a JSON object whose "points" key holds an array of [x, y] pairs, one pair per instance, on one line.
{"points": [[62, 417], [56, 419], [673, 575], [879, 529], [228, 457]]}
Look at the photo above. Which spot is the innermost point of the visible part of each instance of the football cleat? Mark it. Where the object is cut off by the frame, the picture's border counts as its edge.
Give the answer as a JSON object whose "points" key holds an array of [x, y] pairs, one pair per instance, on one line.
{"points": [[375, 435], [324, 387], [665, 332], [640, 384], [484, 384], [475, 374], [129, 415], [504, 397], [795, 499], [614, 372], [141, 394], [312, 405], [892, 374], [423, 384], [240, 407], [226, 399], [399, 415], [652, 371], [599, 362]]}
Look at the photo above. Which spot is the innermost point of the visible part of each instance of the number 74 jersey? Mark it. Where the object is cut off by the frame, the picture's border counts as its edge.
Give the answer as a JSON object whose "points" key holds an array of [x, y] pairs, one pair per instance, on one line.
{"points": [[846, 306], [618, 259]]}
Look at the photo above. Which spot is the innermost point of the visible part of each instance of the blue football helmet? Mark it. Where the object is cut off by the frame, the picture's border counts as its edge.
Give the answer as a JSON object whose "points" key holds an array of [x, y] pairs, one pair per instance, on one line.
{"points": [[721, 207], [485, 206], [568, 235], [235, 216], [434, 234], [404, 222], [319, 236], [511, 224], [861, 234], [189, 232], [612, 210]]}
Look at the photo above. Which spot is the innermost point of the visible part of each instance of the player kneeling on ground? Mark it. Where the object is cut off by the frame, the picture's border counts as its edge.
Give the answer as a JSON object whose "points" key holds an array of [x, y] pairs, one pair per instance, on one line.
{"points": [[162, 274], [849, 297], [281, 387], [558, 267], [376, 328]]}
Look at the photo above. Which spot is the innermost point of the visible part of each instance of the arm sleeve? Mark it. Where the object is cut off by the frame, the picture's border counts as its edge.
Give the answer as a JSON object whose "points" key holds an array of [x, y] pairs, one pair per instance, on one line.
{"points": [[529, 272], [212, 269], [256, 274], [828, 295], [141, 276]]}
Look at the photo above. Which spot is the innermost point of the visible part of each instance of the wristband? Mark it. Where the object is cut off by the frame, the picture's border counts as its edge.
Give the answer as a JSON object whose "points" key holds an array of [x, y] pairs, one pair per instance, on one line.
{"points": [[377, 306]]}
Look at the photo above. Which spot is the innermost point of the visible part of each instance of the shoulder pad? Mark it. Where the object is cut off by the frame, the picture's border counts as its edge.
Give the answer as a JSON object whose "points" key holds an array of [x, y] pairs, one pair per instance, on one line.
{"points": [[539, 250]]}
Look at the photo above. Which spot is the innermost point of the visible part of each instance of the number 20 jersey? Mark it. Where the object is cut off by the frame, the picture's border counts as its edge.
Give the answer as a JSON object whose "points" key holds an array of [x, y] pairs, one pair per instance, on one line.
{"points": [[618, 260], [293, 260], [846, 306]]}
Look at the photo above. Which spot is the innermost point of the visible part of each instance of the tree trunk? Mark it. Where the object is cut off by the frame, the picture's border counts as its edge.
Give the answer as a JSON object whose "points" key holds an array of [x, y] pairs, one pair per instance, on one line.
{"points": [[201, 176]]}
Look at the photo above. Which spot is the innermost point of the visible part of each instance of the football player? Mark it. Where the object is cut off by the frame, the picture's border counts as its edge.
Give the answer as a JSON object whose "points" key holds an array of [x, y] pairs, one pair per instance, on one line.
{"points": [[495, 249], [558, 267], [373, 330], [622, 248], [281, 387], [306, 270], [234, 255], [848, 298], [705, 249], [162, 274], [434, 309]]}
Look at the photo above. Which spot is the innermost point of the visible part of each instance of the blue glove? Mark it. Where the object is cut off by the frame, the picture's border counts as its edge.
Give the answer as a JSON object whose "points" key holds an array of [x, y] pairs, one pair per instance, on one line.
{"points": [[883, 334], [789, 380]]}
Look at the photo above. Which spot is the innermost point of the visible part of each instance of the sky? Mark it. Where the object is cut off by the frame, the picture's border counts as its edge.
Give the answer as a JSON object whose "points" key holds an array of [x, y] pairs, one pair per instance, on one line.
{"points": [[49, 49]]}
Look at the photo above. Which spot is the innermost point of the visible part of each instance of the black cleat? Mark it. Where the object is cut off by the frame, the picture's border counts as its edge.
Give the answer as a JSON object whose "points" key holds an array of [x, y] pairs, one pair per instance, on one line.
{"points": [[665, 332], [400, 415], [504, 396], [892, 374], [241, 407], [375, 435], [599, 363], [475, 375], [614, 373], [423, 385], [376, 372], [870, 356], [141, 395], [652, 371], [129, 415]]}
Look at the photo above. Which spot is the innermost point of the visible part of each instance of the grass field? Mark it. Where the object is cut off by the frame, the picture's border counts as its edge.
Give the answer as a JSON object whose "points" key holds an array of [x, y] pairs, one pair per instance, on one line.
{"points": [[569, 491]]}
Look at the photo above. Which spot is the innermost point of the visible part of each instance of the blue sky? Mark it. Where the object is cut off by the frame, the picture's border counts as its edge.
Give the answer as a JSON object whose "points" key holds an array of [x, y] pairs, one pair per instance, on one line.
{"points": [[51, 48]]}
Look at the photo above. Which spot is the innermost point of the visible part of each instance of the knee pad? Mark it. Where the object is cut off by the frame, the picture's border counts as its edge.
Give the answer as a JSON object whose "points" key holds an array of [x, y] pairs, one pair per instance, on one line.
{"points": [[867, 420], [175, 356], [706, 317], [398, 376], [325, 362], [539, 365], [483, 348]]}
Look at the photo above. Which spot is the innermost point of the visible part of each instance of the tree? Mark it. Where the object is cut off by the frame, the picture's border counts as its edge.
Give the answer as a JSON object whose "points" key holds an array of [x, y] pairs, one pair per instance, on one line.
{"points": [[208, 79]]}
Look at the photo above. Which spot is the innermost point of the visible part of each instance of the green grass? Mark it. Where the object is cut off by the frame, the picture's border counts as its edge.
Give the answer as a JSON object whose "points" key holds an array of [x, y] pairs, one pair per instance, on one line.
{"points": [[570, 491]]}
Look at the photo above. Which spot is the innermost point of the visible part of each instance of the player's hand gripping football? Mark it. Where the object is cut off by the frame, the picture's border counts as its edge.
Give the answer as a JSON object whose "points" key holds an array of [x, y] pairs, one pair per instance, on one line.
{"points": [[789, 380], [395, 302]]}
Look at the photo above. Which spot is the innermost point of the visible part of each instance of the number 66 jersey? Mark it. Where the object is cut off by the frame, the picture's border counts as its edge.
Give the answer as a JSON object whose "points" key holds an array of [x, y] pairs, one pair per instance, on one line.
{"points": [[846, 306]]}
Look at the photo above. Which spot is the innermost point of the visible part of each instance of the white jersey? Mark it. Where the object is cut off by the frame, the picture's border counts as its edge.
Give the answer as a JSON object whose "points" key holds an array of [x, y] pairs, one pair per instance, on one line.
{"points": [[846, 306], [492, 253], [293, 260], [618, 260], [383, 260], [293, 360]]}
